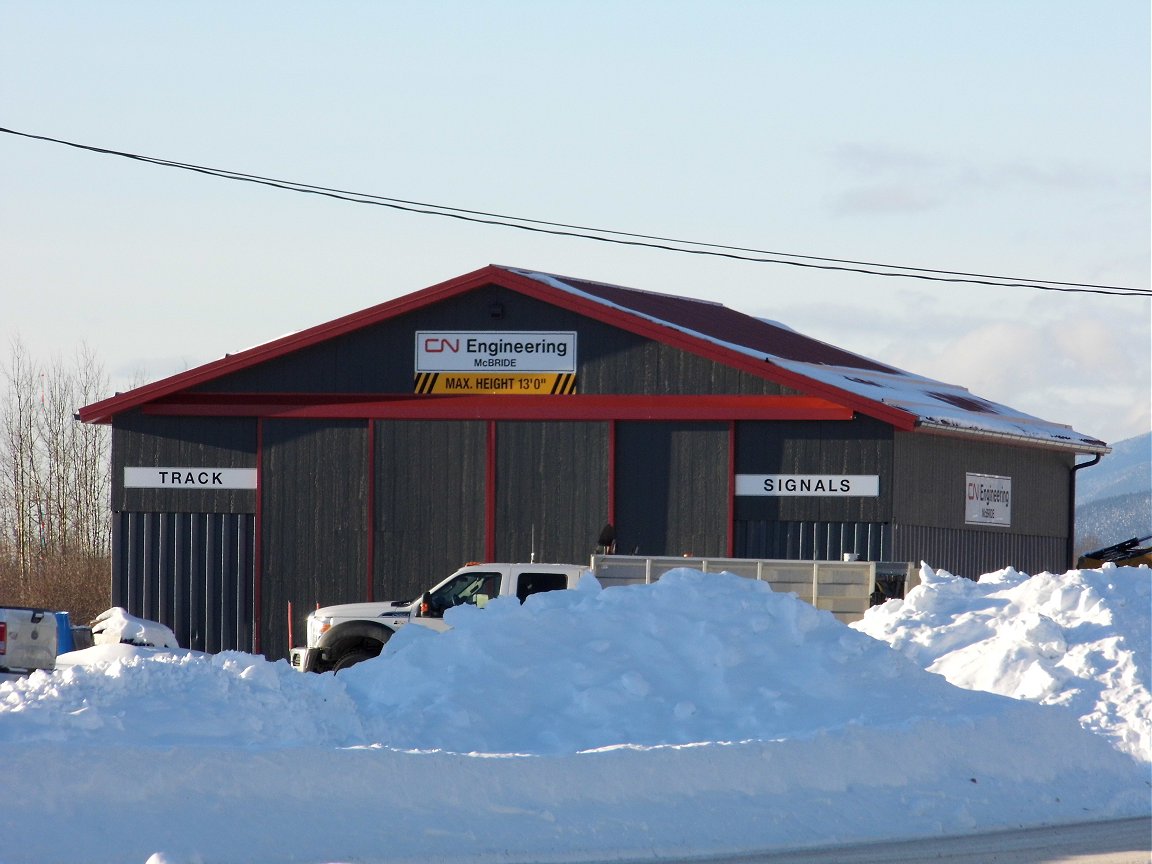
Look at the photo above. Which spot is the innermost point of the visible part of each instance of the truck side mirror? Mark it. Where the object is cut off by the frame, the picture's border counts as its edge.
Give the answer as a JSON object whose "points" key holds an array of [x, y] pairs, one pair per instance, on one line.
{"points": [[422, 608], [481, 601]]}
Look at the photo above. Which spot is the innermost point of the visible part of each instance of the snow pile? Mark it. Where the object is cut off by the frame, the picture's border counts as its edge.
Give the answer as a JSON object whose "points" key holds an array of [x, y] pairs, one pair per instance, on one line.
{"points": [[113, 694], [701, 715], [116, 625], [1082, 639], [689, 659]]}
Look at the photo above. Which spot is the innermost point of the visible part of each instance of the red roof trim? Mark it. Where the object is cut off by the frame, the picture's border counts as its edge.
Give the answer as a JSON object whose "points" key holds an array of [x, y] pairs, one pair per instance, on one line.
{"points": [[578, 407], [105, 410], [669, 335]]}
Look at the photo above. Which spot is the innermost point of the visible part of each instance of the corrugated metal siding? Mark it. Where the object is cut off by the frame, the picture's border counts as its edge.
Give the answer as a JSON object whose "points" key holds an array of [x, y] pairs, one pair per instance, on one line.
{"points": [[314, 522], [551, 490], [973, 552], [182, 442], [929, 482], [190, 571], [929, 498], [820, 527], [380, 359], [860, 446], [812, 541], [616, 362], [672, 488], [429, 502]]}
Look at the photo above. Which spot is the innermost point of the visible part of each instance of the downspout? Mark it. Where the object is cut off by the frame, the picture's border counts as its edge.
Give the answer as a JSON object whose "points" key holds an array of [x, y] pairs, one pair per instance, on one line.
{"points": [[1071, 549]]}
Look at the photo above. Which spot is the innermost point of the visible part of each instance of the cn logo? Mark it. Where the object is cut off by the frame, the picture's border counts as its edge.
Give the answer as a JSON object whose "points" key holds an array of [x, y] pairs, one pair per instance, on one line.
{"points": [[438, 345]]}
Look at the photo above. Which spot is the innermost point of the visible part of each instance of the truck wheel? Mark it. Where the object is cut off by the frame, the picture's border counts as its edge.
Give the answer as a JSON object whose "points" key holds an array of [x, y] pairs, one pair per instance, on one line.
{"points": [[351, 658]]}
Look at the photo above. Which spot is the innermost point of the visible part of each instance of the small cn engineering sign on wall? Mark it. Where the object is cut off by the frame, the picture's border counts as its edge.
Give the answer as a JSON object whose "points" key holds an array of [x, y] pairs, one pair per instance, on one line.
{"points": [[987, 500], [516, 362], [811, 485]]}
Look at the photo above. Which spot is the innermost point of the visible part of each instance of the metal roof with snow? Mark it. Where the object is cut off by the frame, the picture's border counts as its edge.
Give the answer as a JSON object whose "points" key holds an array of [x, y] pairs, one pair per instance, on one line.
{"points": [[764, 348]]}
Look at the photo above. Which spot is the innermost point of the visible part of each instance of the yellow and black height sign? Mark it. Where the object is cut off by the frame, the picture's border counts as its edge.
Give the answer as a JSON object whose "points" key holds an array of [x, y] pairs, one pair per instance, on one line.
{"points": [[486, 383]]}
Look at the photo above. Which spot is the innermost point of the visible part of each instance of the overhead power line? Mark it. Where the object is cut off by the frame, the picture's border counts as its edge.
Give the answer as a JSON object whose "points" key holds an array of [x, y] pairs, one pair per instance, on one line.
{"points": [[625, 238]]}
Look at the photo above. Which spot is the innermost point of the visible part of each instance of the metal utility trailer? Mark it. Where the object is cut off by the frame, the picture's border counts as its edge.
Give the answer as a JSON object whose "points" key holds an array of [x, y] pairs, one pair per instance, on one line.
{"points": [[844, 588]]}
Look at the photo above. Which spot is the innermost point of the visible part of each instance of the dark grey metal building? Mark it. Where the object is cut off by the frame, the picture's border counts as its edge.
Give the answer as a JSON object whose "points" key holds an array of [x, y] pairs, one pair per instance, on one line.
{"points": [[507, 413]]}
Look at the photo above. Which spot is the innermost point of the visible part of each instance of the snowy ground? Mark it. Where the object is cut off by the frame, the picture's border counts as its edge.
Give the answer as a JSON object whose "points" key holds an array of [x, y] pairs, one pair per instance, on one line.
{"points": [[697, 716]]}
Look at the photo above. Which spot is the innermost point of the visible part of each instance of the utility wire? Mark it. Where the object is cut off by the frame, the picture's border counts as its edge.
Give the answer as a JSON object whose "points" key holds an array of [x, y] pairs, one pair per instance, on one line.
{"points": [[624, 238]]}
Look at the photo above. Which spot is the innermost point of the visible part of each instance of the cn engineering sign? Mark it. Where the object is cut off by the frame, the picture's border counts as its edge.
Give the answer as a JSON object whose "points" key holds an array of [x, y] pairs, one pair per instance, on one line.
{"points": [[504, 351], [987, 500], [525, 362]]}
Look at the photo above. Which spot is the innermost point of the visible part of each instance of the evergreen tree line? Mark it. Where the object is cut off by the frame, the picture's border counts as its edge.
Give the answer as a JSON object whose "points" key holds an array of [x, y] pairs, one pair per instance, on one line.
{"points": [[55, 528]]}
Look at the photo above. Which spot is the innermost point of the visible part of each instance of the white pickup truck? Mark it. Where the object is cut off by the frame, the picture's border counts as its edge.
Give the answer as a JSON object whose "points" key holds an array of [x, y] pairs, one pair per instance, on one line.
{"points": [[27, 639], [340, 636]]}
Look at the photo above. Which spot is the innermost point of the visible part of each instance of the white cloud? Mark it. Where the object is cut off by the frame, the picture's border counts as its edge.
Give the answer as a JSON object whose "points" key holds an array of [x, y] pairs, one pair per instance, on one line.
{"points": [[1080, 361]]}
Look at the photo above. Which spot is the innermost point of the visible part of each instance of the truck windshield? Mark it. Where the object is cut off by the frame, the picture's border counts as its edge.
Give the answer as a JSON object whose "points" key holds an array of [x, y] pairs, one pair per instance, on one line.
{"points": [[464, 588]]}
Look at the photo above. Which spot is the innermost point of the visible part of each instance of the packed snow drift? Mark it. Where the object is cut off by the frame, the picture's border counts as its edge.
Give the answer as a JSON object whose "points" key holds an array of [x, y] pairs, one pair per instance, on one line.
{"points": [[700, 715], [1082, 640]]}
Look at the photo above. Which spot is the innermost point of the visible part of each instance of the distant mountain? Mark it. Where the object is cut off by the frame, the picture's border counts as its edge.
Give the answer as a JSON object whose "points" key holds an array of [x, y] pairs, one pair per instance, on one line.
{"points": [[1114, 498], [1128, 468]]}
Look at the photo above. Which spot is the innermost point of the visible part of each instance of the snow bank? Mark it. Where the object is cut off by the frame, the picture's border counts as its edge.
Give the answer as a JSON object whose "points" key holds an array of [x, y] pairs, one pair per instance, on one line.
{"points": [[1082, 639], [700, 715], [691, 658]]}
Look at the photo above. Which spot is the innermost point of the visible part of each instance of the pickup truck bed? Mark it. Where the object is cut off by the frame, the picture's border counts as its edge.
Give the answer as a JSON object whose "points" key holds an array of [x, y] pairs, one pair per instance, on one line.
{"points": [[27, 639]]}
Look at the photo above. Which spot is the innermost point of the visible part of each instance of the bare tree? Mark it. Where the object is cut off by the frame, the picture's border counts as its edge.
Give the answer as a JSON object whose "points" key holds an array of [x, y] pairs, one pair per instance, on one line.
{"points": [[91, 484], [54, 485], [19, 493]]}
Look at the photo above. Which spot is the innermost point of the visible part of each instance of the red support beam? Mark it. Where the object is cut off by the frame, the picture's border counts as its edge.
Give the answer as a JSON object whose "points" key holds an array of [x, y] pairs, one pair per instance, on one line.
{"points": [[576, 407], [257, 545], [612, 472], [370, 546], [490, 481], [731, 487]]}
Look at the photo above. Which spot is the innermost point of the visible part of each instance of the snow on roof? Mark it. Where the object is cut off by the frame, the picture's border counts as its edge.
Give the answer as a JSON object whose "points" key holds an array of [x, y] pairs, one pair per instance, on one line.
{"points": [[886, 392], [938, 406]]}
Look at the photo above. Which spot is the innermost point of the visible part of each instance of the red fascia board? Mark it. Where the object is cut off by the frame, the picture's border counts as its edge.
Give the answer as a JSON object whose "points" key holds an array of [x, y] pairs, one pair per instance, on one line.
{"points": [[104, 411], [576, 407]]}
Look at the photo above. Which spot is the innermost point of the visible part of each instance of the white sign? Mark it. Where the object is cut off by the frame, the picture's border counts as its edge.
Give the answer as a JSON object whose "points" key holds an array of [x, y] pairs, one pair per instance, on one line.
{"points": [[190, 478], [498, 351], [810, 485], [987, 500]]}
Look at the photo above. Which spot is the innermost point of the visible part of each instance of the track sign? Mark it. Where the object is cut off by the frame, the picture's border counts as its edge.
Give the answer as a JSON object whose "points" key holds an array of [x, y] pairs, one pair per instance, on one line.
{"points": [[190, 478]]}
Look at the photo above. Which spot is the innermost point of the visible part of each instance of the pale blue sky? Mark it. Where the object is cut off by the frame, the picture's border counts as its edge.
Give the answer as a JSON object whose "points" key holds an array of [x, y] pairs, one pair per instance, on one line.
{"points": [[1006, 138]]}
